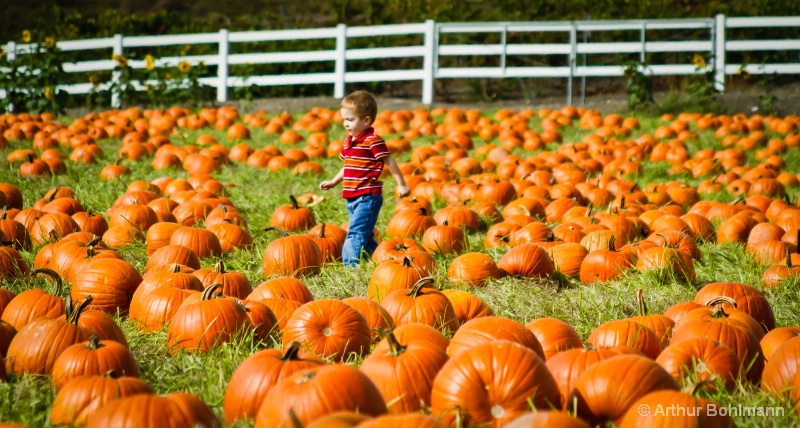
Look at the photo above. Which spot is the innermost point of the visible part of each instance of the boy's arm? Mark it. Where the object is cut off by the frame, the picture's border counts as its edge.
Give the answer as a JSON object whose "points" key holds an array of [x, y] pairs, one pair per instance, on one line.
{"points": [[325, 185], [402, 188]]}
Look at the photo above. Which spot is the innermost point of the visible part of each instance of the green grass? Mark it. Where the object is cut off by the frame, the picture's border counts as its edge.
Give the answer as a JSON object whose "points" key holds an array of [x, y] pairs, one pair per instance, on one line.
{"points": [[257, 192]]}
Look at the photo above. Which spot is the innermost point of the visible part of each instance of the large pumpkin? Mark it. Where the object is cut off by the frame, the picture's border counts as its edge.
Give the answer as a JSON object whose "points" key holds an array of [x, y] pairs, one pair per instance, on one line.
{"points": [[296, 255], [404, 373], [315, 392], [110, 282], [607, 389], [81, 397], [176, 410], [329, 328], [527, 260], [470, 385], [95, 357], [211, 321], [491, 329], [421, 305], [473, 269], [254, 377]]}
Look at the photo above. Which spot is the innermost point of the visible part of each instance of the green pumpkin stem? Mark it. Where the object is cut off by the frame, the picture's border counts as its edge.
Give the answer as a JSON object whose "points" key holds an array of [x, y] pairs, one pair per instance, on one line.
{"points": [[219, 267], [54, 276], [55, 191], [721, 299], [292, 352], [642, 304], [209, 291], [417, 288], [282, 232], [73, 313], [395, 348], [94, 343], [295, 420]]}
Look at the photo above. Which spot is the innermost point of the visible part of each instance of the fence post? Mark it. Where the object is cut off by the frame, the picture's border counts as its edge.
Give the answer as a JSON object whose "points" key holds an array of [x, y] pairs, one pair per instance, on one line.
{"points": [[341, 61], [116, 100], [429, 61], [11, 53], [719, 53], [573, 53], [222, 67]]}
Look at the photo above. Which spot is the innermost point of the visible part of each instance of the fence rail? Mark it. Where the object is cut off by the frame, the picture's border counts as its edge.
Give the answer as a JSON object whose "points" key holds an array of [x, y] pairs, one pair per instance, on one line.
{"points": [[432, 51]]}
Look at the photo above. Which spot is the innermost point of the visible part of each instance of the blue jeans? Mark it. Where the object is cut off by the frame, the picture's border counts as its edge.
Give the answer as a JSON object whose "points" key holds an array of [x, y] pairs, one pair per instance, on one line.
{"points": [[363, 211]]}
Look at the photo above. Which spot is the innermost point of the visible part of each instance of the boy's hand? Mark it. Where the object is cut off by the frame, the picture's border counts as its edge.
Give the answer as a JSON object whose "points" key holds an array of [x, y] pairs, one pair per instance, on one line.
{"points": [[325, 185], [403, 191]]}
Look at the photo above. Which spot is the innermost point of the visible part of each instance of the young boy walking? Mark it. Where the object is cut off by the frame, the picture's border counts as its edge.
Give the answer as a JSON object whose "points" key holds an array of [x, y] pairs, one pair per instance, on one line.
{"points": [[364, 155]]}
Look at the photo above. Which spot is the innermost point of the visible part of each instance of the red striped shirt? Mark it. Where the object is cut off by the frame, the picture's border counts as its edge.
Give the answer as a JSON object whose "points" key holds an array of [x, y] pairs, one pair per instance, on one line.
{"points": [[363, 164]]}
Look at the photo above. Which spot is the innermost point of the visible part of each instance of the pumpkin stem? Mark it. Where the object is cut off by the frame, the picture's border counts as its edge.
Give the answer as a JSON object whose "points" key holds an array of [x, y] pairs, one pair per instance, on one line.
{"points": [[113, 374], [789, 254], [423, 211], [94, 343], [444, 223], [282, 232], [4, 214], [208, 293], [622, 203], [718, 312], [611, 243], [550, 236], [73, 313], [642, 304], [417, 288], [295, 420], [294, 202], [322, 231], [291, 352], [721, 299], [223, 208], [93, 242], [395, 348], [406, 261], [220, 267], [54, 276], [55, 191], [696, 387]]}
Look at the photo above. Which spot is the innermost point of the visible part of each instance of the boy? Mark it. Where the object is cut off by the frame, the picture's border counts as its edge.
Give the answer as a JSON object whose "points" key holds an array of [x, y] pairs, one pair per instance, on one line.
{"points": [[364, 155]]}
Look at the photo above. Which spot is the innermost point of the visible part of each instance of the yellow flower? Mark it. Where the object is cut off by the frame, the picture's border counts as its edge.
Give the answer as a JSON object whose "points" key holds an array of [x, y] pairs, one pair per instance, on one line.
{"points": [[26, 36], [48, 93], [184, 67], [49, 42], [186, 50], [94, 80], [121, 60], [699, 61], [149, 62], [743, 72]]}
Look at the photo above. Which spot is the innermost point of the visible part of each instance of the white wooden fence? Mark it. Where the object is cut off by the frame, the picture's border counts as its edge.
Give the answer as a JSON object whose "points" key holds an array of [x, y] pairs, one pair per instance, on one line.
{"points": [[716, 46]]}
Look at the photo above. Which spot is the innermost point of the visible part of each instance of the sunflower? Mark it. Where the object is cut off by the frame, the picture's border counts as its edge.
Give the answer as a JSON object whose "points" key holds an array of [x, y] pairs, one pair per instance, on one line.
{"points": [[699, 61], [121, 60], [149, 62], [26, 36], [94, 80], [742, 71], [184, 67], [49, 42], [48, 93]]}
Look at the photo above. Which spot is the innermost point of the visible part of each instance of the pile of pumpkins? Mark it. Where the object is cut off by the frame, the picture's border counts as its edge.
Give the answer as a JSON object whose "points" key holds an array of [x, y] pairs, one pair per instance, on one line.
{"points": [[571, 213]]}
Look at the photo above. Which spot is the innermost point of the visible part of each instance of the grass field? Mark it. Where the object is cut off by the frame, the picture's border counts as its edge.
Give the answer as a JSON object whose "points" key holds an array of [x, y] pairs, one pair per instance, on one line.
{"points": [[257, 192]]}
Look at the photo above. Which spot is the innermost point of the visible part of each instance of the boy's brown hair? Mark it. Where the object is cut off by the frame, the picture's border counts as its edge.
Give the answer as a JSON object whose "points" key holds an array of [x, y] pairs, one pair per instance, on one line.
{"points": [[362, 103]]}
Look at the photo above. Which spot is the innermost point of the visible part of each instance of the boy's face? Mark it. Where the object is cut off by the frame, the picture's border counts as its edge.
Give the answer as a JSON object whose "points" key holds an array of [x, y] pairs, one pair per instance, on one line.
{"points": [[353, 124]]}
